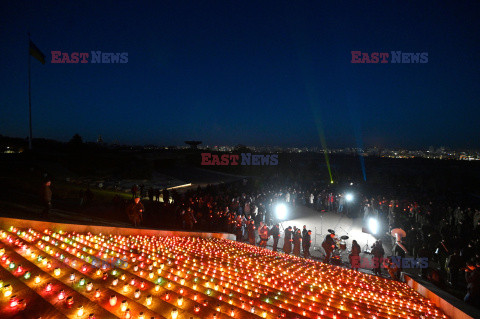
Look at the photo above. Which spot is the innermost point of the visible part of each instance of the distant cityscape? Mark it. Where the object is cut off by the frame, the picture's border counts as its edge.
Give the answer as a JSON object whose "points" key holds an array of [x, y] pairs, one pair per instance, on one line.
{"points": [[442, 153], [439, 153]]}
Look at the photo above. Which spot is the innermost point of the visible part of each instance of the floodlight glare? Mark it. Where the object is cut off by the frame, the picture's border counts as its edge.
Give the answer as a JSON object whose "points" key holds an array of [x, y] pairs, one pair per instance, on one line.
{"points": [[281, 211], [373, 225], [349, 197]]}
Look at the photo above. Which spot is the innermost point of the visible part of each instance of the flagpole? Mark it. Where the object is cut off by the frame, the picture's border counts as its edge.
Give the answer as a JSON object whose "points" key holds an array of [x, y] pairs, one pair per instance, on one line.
{"points": [[29, 95]]}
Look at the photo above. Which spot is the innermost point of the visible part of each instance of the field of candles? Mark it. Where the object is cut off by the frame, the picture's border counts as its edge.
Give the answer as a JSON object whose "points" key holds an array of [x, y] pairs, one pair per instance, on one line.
{"points": [[64, 274]]}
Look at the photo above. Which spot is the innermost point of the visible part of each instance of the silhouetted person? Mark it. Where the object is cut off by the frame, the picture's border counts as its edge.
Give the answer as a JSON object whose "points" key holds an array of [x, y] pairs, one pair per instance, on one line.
{"points": [[239, 231], [355, 255], [166, 196], [328, 245], [454, 264], [275, 233], [46, 198], [134, 190], [189, 219], [378, 252], [287, 243], [263, 233], [297, 242], [135, 211], [251, 232], [307, 242], [424, 253]]}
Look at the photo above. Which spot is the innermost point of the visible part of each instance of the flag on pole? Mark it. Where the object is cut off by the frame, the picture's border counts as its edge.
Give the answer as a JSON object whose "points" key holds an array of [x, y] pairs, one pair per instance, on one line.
{"points": [[36, 53]]}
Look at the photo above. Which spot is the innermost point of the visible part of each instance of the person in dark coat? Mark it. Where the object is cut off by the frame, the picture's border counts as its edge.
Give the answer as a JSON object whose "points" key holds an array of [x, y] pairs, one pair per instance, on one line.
{"points": [[134, 190], [275, 233], [307, 242], [378, 252], [189, 219], [251, 232], [454, 263], [166, 196], [287, 243], [135, 211], [297, 242], [46, 198], [424, 253], [328, 245], [304, 231], [263, 233], [355, 255], [239, 231]]}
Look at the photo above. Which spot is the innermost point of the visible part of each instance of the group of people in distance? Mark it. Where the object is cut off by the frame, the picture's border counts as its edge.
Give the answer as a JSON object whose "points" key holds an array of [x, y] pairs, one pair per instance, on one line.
{"points": [[295, 240]]}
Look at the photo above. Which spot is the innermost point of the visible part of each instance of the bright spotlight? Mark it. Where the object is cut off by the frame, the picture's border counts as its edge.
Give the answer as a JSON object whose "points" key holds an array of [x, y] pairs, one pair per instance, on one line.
{"points": [[281, 211], [373, 225], [349, 197]]}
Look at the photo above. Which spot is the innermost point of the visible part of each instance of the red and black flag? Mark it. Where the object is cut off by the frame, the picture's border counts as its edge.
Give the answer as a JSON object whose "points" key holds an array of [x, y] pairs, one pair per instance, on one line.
{"points": [[36, 53]]}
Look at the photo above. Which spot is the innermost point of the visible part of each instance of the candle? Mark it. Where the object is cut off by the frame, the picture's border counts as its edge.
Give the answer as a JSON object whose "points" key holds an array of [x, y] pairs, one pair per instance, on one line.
{"points": [[113, 300]]}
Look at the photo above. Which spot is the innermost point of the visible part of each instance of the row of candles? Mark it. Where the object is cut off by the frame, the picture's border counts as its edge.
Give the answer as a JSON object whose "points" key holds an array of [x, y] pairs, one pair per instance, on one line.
{"points": [[234, 279]]}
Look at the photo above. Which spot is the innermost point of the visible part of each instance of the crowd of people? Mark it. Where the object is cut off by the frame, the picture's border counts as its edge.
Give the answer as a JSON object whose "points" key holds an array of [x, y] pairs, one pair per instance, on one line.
{"points": [[446, 236]]}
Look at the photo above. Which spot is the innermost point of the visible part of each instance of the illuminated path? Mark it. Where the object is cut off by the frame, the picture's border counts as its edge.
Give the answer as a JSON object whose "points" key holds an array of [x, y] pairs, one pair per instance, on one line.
{"points": [[71, 275]]}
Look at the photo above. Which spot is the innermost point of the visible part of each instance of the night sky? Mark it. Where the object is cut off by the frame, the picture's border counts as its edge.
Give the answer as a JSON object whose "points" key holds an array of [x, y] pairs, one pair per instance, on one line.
{"points": [[245, 72]]}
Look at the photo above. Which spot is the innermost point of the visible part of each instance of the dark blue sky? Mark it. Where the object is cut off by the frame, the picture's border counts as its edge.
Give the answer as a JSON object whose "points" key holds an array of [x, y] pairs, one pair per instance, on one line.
{"points": [[250, 72]]}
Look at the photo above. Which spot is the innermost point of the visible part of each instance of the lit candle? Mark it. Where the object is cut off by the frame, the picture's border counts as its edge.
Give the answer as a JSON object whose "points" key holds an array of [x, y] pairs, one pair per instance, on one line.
{"points": [[13, 302], [113, 300], [137, 294], [124, 306]]}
